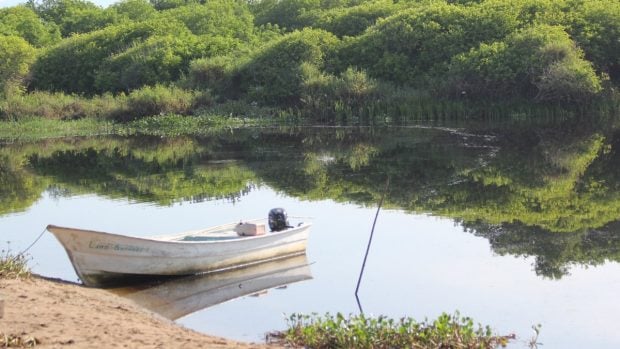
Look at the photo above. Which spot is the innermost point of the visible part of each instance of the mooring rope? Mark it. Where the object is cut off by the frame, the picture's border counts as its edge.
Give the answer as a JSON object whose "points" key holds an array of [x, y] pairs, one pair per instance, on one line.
{"points": [[34, 242]]}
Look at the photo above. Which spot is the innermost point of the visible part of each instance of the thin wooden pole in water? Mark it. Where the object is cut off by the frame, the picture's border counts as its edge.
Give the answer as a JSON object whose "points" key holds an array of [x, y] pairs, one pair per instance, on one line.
{"points": [[372, 232]]}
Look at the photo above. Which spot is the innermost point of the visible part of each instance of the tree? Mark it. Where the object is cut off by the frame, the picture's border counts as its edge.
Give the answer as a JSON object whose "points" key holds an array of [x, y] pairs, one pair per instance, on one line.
{"points": [[16, 56], [134, 10], [540, 61], [87, 53], [215, 18], [74, 16], [24, 22]]}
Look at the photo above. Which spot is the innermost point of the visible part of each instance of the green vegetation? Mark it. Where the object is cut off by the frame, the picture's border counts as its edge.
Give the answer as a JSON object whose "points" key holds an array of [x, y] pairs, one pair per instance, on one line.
{"points": [[33, 129], [327, 61], [13, 266], [359, 331]]}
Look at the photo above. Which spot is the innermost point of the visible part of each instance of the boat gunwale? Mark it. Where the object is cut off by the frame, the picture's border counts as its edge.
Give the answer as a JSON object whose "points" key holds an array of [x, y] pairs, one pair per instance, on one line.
{"points": [[171, 239]]}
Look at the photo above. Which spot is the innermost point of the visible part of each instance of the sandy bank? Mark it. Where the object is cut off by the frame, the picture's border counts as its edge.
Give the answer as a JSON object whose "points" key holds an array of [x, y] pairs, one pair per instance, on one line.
{"points": [[64, 315]]}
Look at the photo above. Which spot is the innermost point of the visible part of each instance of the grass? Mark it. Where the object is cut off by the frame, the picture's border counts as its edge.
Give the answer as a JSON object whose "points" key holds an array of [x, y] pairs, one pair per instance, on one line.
{"points": [[359, 331], [175, 125], [13, 266], [15, 341], [38, 128], [31, 129]]}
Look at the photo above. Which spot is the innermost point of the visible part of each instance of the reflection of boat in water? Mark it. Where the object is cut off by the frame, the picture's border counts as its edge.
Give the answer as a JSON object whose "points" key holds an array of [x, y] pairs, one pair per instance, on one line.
{"points": [[104, 259], [177, 297]]}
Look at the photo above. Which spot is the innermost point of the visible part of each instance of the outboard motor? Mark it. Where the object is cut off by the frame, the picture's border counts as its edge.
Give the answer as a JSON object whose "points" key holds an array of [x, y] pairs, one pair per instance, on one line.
{"points": [[278, 219]]}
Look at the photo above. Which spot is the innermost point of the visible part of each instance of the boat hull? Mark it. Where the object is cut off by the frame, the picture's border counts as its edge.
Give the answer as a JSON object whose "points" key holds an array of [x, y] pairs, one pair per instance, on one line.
{"points": [[103, 259]]}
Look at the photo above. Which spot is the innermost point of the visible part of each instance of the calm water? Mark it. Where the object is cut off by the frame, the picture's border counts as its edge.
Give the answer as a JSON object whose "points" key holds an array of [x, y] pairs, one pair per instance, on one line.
{"points": [[510, 226]]}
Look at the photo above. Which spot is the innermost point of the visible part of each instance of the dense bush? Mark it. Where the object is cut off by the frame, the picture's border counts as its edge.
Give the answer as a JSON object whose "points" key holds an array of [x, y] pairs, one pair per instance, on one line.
{"points": [[161, 5], [24, 22], [213, 73], [595, 26], [74, 16], [215, 18], [299, 54], [16, 55], [87, 53], [147, 101], [413, 46], [349, 21], [58, 106], [290, 13], [274, 74], [540, 62], [134, 10], [284, 13], [160, 99], [158, 59], [327, 97]]}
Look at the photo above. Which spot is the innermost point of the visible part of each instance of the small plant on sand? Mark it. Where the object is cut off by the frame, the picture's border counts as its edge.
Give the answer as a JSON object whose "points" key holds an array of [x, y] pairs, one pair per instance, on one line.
{"points": [[13, 266], [13, 341], [359, 331]]}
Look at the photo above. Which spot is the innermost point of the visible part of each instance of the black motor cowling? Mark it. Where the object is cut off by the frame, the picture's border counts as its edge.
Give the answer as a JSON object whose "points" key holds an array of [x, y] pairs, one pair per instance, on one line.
{"points": [[278, 219]]}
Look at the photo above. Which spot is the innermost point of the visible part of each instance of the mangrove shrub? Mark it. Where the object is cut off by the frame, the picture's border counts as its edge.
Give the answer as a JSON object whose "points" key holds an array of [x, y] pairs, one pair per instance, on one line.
{"points": [[72, 65], [24, 22], [541, 62], [16, 55], [274, 74], [414, 45]]}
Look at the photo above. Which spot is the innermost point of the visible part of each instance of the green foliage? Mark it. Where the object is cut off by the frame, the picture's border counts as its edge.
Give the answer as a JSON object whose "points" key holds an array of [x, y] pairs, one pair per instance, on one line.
{"points": [[226, 18], [13, 266], [274, 74], [415, 45], [160, 99], [326, 97], [16, 56], [74, 16], [24, 22], [161, 5], [134, 10], [539, 61], [87, 53], [359, 331], [57, 106], [284, 13], [146, 101], [570, 80], [289, 53], [159, 59], [595, 26], [349, 21], [172, 125], [213, 73]]}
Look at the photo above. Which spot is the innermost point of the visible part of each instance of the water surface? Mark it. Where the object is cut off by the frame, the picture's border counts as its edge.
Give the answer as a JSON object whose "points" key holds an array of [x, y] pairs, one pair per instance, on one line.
{"points": [[513, 226]]}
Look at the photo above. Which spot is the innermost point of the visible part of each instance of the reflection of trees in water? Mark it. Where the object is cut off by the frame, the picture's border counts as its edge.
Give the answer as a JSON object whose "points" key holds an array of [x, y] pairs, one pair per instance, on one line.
{"points": [[557, 188], [553, 253], [143, 169], [18, 189], [551, 190]]}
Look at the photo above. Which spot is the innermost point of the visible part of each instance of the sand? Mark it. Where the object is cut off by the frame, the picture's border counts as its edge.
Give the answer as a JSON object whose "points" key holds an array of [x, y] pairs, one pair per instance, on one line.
{"points": [[58, 314]]}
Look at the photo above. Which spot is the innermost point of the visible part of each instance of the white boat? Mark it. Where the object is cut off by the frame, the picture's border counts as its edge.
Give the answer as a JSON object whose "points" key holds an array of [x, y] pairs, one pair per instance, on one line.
{"points": [[178, 297], [103, 259]]}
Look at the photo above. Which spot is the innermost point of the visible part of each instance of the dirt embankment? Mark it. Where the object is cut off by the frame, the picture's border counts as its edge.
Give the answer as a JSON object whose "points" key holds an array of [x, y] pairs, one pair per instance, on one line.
{"points": [[65, 315]]}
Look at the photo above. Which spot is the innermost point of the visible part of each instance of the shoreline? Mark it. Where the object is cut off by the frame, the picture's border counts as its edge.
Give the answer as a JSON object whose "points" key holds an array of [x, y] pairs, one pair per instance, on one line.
{"points": [[56, 314]]}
